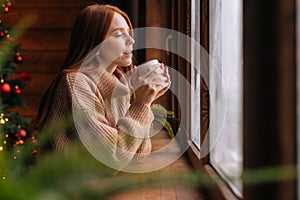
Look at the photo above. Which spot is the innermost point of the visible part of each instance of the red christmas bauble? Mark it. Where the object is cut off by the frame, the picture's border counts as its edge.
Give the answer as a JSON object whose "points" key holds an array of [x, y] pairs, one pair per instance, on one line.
{"points": [[5, 88], [18, 59], [25, 77], [17, 90], [2, 34], [6, 9], [23, 133], [34, 152], [8, 4]]}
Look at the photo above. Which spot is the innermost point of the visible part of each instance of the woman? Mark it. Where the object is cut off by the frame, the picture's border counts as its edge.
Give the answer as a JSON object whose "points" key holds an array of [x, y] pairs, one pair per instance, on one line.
{"points": [[93, 90]]}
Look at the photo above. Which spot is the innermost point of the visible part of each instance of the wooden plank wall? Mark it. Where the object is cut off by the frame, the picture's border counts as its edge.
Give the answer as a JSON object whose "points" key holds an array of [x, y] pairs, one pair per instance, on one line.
{"points": [[156, 18], [45, 42]]}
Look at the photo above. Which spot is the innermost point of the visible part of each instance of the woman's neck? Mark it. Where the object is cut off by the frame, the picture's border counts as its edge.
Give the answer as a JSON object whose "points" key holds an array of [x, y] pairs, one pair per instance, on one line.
{"points": [[111, 68]]}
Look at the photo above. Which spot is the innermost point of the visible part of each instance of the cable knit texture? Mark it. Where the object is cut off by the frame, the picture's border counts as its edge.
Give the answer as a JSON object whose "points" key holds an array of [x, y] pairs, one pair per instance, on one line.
{"points": [[101, 114]]}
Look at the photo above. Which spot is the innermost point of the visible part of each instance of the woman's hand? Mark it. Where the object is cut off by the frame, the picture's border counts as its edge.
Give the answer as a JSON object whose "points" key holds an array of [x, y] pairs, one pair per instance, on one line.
{"points": [[153, 74], [165, 85], [146, 94]]}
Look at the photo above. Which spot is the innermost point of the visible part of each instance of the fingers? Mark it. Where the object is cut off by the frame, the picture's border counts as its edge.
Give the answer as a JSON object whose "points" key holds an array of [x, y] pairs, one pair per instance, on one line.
{"points": [[155, 75], [160, 80], [146, 94], [145, 72], [166, 85], [161, 92]]}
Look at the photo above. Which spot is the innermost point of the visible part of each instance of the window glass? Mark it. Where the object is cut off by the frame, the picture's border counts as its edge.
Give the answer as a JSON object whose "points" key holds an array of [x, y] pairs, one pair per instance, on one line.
{"points": [[226, 122]]}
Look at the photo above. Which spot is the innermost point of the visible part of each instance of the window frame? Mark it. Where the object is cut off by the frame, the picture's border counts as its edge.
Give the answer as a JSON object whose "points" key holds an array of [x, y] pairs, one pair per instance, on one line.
{"points": [[259, 65], [221, 190]]}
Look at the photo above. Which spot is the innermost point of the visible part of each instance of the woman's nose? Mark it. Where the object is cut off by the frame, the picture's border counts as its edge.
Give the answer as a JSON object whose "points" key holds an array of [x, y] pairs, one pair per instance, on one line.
{"points": [[130, 40]]}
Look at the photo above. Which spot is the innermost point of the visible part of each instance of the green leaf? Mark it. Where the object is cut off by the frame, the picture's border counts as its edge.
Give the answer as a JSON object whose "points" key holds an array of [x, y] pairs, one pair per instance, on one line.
{"points": [[159, 110], [167, 126]]}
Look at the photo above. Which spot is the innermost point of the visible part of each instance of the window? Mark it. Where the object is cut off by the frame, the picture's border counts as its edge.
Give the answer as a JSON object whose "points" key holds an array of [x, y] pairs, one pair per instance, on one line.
{"points": [[224, 81], [257, 92]]}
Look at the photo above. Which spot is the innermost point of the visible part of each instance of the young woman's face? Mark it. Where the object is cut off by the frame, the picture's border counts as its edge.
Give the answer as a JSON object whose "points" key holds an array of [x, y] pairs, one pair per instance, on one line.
{"points": [[116, 49]]}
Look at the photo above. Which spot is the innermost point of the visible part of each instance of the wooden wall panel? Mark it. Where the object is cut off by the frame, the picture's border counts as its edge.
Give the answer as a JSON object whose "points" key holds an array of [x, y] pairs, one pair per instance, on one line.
{"points": [[156, 18], [47, 18], [158, 14], [42, 61], [50, 3], [32, 103], [45, 40]]}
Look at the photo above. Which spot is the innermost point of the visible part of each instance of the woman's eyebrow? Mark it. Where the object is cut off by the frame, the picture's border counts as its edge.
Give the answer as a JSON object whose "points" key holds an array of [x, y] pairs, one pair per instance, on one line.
{"points": [[120, 29]]}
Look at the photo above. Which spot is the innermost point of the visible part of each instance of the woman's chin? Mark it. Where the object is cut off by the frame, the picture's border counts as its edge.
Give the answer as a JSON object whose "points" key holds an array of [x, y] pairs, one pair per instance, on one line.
{"points": [[126, 63], [123, 61]]}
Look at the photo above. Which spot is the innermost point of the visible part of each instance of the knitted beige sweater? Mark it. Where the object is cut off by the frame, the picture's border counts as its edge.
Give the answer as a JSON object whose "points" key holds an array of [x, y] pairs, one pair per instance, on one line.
{"points": [[111, 128]]}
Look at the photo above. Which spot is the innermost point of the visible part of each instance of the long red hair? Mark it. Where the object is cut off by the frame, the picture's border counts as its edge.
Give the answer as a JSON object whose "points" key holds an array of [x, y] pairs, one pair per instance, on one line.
{"points": [[89, 30]]}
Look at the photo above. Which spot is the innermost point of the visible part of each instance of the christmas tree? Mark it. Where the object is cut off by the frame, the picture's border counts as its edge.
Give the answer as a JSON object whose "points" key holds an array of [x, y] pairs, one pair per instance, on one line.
{"points": [[14, 128]]}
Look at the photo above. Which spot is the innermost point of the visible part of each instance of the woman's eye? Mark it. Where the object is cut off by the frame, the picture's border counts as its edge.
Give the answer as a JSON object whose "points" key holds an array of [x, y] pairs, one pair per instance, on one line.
{"points": [[121, 33], [118, 34]]}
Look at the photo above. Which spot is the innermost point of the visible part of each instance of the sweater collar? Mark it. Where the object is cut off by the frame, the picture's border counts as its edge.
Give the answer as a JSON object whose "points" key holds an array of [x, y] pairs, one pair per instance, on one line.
{"points": [[108, 84]]}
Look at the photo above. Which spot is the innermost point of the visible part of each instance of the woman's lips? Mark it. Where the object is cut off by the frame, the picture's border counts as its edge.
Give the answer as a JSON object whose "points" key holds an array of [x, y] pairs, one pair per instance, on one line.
{"points": [[127, 53]]}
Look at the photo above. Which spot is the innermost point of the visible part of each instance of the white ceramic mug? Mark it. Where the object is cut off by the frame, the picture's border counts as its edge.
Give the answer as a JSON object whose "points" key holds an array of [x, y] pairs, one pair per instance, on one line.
{"points": [[143, 69], [148, 63]]}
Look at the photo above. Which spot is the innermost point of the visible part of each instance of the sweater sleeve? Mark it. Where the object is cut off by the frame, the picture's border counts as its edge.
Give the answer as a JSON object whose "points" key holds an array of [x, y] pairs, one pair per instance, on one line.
{"points": [[141, 114], [114, 145]]}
